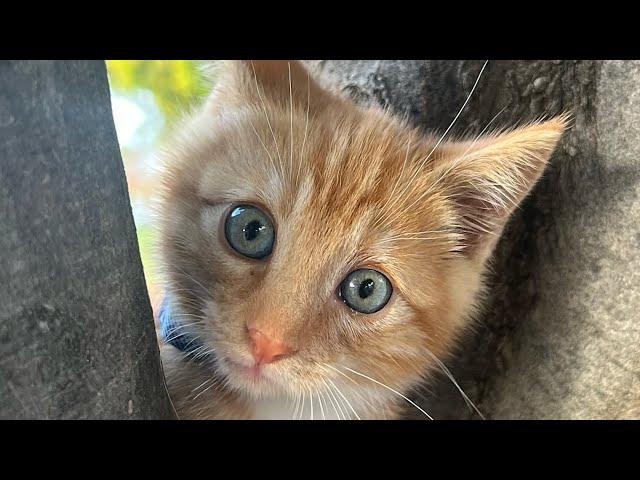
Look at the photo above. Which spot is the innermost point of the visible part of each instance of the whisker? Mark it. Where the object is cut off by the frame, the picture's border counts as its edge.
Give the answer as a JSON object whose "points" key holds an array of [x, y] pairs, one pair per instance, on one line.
{"points": [[394, 239], [205, 390], [388, 388], [457, 115], [420, 166], [201, 353], [304, 399], [273, 163], [295, 411], [392, 200], [264, 108], [291, 127], [458, 160], [172, 336], [448, 373], [190, 277], [306, 125], [196, 304], [332, 396], [332, 404], [320, 398], [290, 402], [202, 384], [345, 398]]}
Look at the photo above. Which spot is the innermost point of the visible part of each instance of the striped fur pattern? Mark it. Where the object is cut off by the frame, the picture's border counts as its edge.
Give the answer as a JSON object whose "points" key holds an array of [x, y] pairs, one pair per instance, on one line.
{"points": [[347, 187]]}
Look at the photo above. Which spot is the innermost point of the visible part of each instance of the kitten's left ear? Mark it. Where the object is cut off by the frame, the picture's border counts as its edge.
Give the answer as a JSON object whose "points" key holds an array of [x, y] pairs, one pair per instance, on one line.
{"points": [[487, 179], [263, 83], [282, 80]]}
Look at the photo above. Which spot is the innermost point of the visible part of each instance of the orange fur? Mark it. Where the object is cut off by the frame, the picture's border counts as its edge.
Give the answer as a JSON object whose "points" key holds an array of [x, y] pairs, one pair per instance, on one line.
{"points": [[347, 187]]}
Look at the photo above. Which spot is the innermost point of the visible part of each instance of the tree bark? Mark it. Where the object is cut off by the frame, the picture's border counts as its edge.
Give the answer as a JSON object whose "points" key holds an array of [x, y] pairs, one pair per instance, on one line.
{"points": [[560, 336], [77, 336]]}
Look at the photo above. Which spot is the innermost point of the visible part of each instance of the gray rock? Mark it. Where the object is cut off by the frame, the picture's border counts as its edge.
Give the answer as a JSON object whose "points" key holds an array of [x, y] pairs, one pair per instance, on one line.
{"points": [[76, 329]]}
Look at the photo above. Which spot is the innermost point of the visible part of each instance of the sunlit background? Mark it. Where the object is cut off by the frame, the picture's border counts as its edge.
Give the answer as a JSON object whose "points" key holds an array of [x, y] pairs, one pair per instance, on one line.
{"points": [[147, 97]]}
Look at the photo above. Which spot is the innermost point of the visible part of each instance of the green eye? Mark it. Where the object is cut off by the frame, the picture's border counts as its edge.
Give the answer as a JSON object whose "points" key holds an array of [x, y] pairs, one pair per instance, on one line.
{"points": [[366, 290], [250, 231]]}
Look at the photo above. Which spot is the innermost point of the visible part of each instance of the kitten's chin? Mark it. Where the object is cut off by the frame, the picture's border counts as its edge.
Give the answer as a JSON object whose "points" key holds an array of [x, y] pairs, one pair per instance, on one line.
{"points": [[250, 379]]}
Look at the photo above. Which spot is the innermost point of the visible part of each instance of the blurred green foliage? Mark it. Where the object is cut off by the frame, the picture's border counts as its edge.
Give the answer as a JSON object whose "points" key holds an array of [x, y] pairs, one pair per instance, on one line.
{"points": [[163, 90], [176, 84], [145, 242]]}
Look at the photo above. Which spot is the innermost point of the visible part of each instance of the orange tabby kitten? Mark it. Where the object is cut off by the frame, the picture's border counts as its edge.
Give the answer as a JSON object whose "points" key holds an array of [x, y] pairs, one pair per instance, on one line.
{"points": [[322, 258]]}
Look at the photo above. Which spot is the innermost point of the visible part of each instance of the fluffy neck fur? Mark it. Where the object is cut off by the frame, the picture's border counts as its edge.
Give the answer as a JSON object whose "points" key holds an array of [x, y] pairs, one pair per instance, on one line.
{"points": [[347, 188]]}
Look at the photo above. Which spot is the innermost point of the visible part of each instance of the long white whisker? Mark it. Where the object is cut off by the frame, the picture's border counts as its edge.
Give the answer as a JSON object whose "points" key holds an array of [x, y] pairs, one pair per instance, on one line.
{"points": [[175, 329], [202, 384], [391, 201], [205, 390], [173, 336], [419, 167], [331, 394], [306, 125], [332, 402], [304, 402], [448, 373], [291, 127], [200, 352], [264, 108], [297, 403], [345, 398], [182, 272], [458, 160], [320, 399], [273, 163], [184, 314], [458, 114], [391, 390]]}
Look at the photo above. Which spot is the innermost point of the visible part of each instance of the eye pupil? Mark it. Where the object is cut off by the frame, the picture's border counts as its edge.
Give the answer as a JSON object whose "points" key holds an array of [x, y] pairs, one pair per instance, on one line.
{"points": [[366, 288], [252, 230]]}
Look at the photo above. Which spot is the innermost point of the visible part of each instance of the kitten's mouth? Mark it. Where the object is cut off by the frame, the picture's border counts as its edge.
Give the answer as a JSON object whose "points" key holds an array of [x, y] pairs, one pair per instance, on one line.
{"points": [[251, 371]]}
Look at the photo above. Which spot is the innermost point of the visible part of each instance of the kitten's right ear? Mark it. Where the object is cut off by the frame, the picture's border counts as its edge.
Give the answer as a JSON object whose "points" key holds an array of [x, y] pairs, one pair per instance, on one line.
{"points": [[491, 176], [256, 81]]}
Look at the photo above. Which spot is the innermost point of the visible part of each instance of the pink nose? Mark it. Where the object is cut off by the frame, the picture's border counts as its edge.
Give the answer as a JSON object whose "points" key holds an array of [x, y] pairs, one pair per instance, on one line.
{"points": [[265, 349]]}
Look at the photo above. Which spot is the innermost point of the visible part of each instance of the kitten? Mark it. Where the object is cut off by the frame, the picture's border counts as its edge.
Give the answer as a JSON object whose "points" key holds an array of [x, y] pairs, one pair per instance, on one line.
{"points": [[322, 258]]}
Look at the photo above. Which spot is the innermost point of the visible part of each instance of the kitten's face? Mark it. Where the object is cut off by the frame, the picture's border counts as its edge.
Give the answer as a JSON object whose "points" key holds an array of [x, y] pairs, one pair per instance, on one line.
{"points": [[276, 192]]}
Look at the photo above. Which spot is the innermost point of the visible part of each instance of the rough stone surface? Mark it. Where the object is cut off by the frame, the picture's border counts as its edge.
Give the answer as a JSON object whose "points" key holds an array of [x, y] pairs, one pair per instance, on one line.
{"points": [[76, 329], [560, 337]]}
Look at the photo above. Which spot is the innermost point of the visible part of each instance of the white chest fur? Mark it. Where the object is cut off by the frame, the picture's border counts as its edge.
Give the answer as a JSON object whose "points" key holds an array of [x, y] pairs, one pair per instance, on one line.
{"points": [[287, 409]]}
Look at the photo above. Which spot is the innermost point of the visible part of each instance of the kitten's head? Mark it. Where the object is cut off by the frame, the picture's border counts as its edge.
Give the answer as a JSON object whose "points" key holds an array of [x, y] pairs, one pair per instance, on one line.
{"points": [[315, 238]]}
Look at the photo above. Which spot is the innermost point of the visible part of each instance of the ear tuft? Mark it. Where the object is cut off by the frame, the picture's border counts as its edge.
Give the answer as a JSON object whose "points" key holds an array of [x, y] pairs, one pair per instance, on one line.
{"points": [[282, 82]]}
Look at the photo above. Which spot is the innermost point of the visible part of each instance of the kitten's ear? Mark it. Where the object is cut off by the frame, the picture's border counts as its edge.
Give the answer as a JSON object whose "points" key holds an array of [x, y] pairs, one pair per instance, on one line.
{"points": [[486, 180], [282, 81]]}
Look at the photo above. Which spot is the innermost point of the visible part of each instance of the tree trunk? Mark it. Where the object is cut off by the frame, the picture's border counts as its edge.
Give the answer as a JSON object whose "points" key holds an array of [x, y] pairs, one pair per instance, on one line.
{"points": [[560, 336], [76, 329]]}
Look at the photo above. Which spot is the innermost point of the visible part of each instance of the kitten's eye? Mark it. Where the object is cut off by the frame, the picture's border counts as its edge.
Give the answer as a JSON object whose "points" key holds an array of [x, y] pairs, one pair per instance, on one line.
{"points": [[366, 290], [249, 231]]}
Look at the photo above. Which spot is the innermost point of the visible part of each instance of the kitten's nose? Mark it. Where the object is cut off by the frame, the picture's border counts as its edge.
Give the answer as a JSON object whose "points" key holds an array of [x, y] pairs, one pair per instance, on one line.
{"points": [[265, 349]]}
